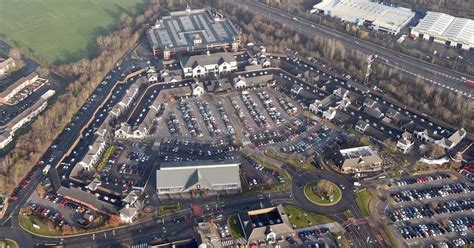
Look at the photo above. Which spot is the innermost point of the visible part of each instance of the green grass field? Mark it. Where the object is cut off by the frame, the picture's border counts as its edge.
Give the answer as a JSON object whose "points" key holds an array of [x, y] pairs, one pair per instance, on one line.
{"points": [[61, 30], [363, 198], [300, 218]]}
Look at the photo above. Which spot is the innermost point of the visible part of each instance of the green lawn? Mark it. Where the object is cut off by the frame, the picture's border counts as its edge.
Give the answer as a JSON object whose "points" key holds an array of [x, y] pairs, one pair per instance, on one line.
{"points": [[60, 30], [363, 198], [316, 199], [27, 223], [298, 164], [301, 218], [348, 214], [235, 227]]}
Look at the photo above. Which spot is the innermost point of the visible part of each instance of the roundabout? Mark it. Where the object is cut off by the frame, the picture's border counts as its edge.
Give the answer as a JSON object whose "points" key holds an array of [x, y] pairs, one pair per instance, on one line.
{"points": [[323, 193]]}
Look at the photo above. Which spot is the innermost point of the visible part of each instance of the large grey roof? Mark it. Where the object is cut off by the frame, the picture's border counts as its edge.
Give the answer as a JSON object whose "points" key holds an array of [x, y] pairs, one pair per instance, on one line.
{"points": [[447, 27], [207, 173], [177, 31]]}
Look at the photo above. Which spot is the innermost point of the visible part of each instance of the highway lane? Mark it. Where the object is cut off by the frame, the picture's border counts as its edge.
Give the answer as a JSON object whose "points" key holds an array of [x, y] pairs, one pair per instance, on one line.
{"points": [[427, 71]]}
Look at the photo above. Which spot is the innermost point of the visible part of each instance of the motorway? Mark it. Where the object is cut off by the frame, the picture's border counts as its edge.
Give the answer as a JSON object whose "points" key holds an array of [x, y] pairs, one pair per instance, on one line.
{"points": [[443, 77]]}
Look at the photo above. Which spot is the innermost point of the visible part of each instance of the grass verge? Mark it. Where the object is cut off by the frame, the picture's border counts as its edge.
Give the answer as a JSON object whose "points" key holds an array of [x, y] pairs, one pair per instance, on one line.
{"points": [[293, 162], [348, 214], [28, 222], [235, 227], [167, 209], [110, 150], [363, 198], [300, 218]]}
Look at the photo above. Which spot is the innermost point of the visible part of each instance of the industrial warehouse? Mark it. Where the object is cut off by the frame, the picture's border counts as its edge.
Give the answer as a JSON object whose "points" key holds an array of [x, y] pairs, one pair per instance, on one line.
{"points": [[364, 12], [446, 29]]}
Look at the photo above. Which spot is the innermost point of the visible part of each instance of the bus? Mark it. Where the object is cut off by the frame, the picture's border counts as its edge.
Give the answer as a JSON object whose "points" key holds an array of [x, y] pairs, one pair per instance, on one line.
{"points": [[469, 83]]}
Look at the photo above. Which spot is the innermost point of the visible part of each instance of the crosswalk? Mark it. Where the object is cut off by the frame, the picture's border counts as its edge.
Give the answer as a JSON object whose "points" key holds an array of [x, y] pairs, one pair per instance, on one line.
{"points": [[142, 245], [227, 243]]}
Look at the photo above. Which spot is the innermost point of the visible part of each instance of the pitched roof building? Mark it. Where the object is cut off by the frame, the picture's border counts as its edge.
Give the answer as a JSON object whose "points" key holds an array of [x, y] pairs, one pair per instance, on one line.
{"points": [[221, 175], [202, 65], [358, 159]]}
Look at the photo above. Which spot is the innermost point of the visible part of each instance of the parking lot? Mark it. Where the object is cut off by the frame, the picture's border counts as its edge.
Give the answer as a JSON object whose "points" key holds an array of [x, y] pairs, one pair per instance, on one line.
{"points": [[435, 206], [185, 149], [241, 115]]}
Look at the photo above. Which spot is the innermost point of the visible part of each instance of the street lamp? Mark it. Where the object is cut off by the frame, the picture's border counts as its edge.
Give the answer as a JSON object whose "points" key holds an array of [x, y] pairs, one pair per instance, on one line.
{"points": [[456, 61]]}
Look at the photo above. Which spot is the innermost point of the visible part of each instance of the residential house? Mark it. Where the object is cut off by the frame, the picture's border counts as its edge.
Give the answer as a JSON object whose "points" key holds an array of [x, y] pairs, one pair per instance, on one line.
{"points": [[361, 126]]}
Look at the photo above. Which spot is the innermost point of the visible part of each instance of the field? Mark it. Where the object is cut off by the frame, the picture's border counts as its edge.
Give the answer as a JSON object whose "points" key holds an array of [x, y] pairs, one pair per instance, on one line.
{"points": [[300, 218], [363, 198], [61, 31]]}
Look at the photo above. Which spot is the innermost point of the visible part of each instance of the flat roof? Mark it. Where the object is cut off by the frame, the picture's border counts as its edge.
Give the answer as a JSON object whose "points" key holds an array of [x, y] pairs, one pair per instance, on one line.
{"points": [[393, 18], [356, 152], [447, 27], [265, 218], [178, 30]]}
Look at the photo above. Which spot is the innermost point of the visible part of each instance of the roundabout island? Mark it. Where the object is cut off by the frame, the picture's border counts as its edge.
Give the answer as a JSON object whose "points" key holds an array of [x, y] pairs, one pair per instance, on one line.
{"points": [[323, 193]]}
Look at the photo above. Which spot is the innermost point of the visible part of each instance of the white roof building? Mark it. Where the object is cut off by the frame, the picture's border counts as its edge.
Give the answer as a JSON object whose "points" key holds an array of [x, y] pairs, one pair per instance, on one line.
{"points": [[378, 16], [447, 29]]}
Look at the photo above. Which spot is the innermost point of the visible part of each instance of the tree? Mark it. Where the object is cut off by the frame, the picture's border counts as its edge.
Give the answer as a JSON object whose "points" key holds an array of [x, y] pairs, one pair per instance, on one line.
{"points": [[16, 55], [114, 220]]}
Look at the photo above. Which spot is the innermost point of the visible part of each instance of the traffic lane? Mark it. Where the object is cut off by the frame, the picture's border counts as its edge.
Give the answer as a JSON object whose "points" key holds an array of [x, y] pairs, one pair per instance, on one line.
{"points": [[21, 237], [448, 76], [151, 229], [144, 234]]}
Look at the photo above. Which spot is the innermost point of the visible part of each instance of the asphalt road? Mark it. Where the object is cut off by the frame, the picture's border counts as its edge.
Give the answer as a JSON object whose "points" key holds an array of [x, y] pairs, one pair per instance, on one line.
{"points": [[448, 78]]}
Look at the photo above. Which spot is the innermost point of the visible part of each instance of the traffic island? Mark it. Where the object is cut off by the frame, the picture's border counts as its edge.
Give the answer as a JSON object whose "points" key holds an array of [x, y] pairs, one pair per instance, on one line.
{"points": [[8, 243], [323, 193]]}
